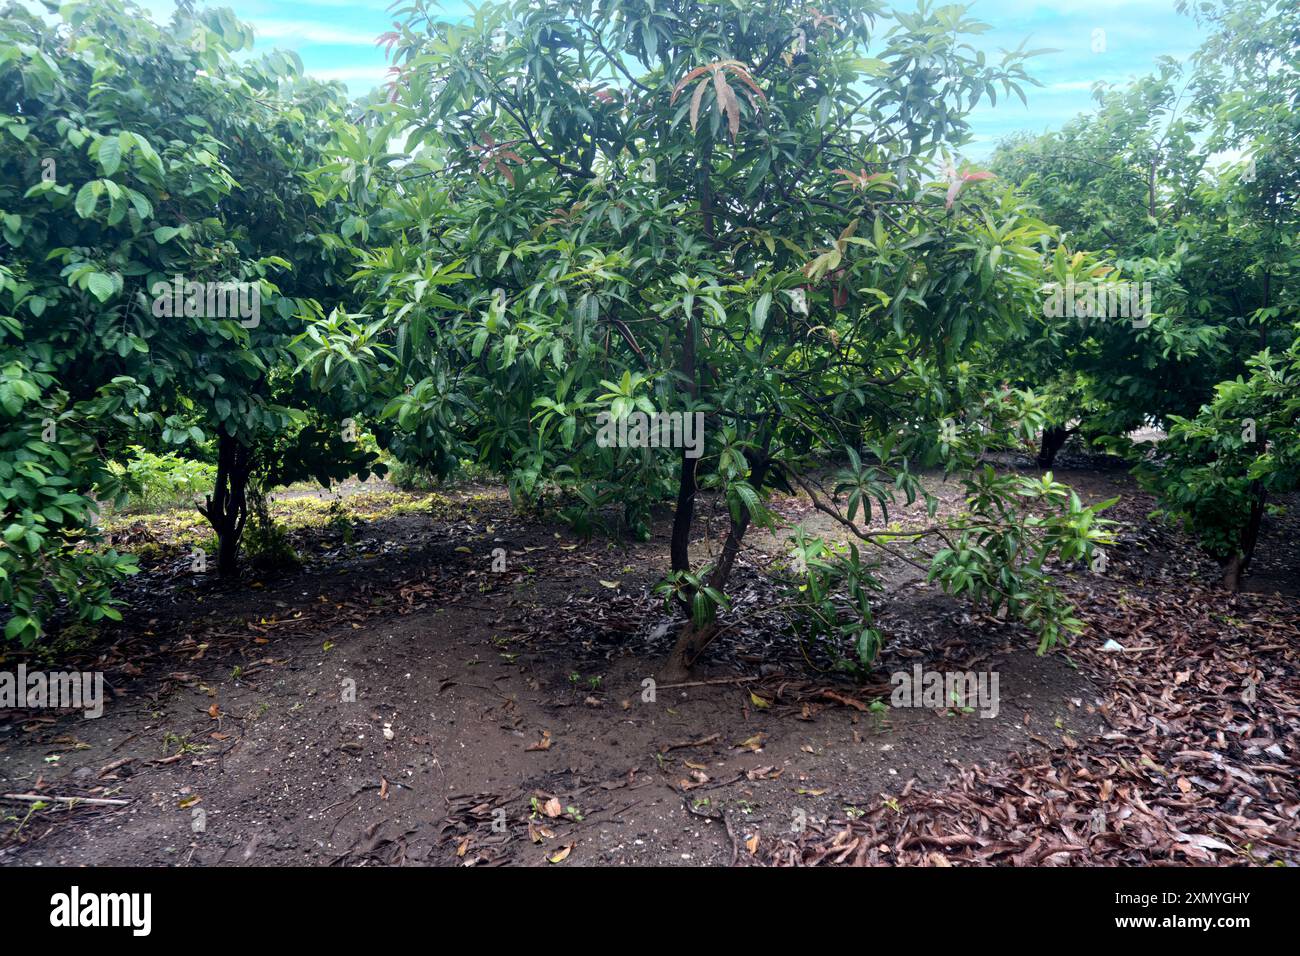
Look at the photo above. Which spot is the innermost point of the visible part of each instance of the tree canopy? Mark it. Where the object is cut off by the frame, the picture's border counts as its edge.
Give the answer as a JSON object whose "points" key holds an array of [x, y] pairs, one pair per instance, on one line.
{"points": [[626, 253]]}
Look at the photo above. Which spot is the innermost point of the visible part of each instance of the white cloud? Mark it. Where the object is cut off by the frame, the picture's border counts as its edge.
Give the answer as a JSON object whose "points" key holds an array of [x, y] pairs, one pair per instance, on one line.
{"points": [[1001, 9], [372, 75], [1072, 86], [363, 4], [309, 31]]}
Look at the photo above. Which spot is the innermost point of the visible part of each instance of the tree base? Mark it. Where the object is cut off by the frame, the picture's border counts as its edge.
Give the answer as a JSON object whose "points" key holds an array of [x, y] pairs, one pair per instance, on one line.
{"points": [[1233, 569], [691, 641]]}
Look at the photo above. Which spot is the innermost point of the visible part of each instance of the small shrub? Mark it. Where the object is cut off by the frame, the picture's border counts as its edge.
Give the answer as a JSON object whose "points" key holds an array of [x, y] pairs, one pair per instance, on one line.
{"points": [[164, 481], [266, 543], [407, 477]]}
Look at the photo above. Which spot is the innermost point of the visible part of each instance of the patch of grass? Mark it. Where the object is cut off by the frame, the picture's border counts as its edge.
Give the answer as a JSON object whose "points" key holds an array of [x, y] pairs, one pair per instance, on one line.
{"points": [[182, 529]]}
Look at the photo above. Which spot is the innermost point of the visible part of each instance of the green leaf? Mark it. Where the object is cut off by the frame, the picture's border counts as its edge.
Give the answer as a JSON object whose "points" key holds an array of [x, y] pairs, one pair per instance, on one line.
{"points": [[101, 286], [761, 308], [109, 153], [87, 198]]}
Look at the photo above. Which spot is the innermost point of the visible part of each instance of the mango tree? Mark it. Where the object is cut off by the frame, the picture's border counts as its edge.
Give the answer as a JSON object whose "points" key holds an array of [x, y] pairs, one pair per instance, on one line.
{"points": [[153, 198], [1221, 464], [690, 209]]}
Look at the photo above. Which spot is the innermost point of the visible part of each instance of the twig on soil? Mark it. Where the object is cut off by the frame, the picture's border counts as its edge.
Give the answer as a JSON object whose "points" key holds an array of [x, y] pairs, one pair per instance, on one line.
{"points": [[623, 810], [124, 742], [735, 842], [720, 783], [709, 683], [712, 738], [340, 820], [90, 801], [115, 765]]}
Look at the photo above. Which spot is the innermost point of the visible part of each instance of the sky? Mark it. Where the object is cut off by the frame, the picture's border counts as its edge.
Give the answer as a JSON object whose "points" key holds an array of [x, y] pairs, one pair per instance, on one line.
{"points": [[1107, 40]]}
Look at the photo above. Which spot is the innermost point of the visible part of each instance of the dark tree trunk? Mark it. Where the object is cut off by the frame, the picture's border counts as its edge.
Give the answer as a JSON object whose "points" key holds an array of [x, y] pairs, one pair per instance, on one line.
{"points": [[1232, 573], [692, 639], [1250, 537], [1235, 568], [1054, 438], [227, 507], [684, 515]]}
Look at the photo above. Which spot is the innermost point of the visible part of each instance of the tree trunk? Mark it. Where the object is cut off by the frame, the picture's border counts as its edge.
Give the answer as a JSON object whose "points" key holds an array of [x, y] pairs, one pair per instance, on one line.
{"points": [[1232, 573], [1235, 568], [691, 640], [1250, 536], [227, 507], [1054, 437], [684, 515]]}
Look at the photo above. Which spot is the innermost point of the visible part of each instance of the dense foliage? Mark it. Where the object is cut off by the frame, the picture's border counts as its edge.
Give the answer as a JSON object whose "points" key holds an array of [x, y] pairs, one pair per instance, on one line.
{"points": [[1187, 179], [133, 154], [656, 209], [747, 223]]}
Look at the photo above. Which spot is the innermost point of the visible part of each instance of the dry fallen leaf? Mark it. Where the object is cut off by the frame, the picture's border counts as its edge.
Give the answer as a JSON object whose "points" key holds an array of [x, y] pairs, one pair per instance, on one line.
{"points": [[698, 779], [561, 854], [543, 744], [552, 808]]}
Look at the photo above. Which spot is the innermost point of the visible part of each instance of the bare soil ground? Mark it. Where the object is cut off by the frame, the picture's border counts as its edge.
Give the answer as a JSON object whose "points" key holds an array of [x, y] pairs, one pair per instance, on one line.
{"points": [[503, 717]]}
